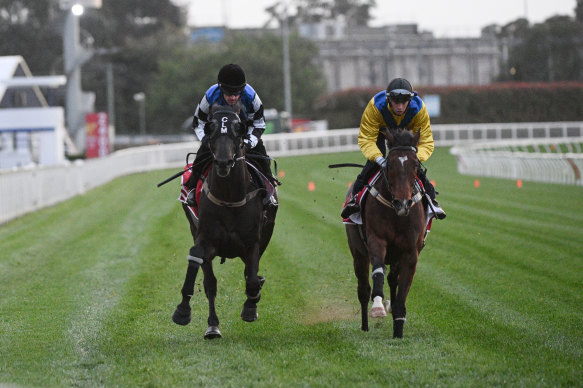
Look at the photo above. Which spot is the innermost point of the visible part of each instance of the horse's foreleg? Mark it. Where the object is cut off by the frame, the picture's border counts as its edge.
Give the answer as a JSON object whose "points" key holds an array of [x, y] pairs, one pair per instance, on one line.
{"points": [[182, 314], [392, 279], [253, 284], [210, 289], [376, 256], [405, 279]]}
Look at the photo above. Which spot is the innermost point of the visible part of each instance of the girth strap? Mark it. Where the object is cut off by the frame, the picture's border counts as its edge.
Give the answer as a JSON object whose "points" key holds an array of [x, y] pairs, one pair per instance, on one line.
{"points": [[219, 202]]}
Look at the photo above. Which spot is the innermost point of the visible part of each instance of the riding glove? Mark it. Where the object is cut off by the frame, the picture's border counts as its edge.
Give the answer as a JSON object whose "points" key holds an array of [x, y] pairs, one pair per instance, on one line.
{"points": [[251, 140], [381, 161]]}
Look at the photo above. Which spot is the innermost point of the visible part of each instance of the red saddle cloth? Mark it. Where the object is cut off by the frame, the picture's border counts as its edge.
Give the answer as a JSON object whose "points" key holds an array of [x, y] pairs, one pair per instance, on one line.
{"points": [[184, 190], [198, 189], [356, 219]]}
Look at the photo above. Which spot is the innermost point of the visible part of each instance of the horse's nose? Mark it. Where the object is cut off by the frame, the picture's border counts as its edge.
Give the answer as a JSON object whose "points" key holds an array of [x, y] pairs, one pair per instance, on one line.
{"points": [[224, 167], [402, 206], [225, 163]]}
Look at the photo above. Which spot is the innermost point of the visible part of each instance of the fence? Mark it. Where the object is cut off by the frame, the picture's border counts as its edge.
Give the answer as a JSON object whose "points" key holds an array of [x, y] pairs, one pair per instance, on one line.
{"points": [[28, 189], [557, 160]]}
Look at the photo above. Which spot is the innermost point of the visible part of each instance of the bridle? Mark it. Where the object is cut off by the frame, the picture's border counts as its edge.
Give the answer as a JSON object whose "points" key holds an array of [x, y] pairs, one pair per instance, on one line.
{"points": [[226, 131], [416, 190], [231, 133]]}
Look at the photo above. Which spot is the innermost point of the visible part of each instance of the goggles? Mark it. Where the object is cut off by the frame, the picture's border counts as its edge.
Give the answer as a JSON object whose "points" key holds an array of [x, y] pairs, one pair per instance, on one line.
{"points": [[232, 91], [400, 95]]}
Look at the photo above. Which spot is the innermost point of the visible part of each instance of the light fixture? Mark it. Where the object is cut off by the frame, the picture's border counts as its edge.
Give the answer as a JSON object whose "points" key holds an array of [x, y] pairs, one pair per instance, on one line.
{"points": [[77, 9]]}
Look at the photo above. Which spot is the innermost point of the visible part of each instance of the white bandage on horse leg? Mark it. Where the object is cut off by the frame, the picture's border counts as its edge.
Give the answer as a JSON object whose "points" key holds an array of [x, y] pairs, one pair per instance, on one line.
{"points": [[195, 259], [378, 270]]}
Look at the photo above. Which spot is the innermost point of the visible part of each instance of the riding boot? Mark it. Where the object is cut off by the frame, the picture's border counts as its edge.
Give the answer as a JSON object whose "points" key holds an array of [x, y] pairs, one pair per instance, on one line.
{"points": [[352, 206], [264, 163], [430, 193]]}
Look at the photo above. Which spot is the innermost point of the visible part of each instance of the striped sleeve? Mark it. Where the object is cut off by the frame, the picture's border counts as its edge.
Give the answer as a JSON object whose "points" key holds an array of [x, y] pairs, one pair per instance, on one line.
{"points": [[200, 117]]}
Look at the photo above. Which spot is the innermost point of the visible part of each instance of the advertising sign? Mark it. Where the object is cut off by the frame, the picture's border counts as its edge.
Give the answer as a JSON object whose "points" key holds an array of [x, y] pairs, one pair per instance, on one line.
{"points": [[97, 135]]}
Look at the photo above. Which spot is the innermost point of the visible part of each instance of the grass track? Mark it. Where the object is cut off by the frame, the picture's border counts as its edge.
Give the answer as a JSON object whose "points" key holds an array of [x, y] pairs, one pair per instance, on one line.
{"points": [[87, 289]]}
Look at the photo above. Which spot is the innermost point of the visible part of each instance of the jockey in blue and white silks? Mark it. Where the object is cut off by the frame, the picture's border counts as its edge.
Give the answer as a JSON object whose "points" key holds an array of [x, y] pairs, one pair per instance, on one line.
{"points": [[231, 88], [250, 101]]}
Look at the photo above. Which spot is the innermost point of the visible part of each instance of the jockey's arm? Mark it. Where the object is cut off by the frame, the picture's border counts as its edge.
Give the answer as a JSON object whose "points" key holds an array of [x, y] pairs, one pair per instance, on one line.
{"points": [[200, 117], [255, 111], [370, 123], [426, 144]]}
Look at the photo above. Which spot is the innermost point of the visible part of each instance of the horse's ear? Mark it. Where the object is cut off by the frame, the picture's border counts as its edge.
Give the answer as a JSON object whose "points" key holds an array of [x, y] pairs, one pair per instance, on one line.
{"points": [[416, 136], [389, 134]]}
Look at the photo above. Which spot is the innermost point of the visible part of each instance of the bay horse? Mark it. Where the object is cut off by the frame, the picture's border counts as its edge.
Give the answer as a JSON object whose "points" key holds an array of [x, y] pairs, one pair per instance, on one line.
{"points": [[232, 221], [392, 231]]}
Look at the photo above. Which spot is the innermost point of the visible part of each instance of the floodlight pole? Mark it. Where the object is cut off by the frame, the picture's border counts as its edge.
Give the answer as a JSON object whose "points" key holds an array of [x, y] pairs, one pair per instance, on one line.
{"points": [[71, 49], [286, 68]]}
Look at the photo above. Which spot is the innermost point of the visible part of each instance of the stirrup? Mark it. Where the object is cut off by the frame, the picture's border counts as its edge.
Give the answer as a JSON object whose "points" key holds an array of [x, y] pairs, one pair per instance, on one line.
{"points": [[438, 211], [191, 198], [272, 203], [350, 208]]}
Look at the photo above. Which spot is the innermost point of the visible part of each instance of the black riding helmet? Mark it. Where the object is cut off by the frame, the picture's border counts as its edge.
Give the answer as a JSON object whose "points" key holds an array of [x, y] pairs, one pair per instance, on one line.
{"points": [[400, 90], [232, 79]]}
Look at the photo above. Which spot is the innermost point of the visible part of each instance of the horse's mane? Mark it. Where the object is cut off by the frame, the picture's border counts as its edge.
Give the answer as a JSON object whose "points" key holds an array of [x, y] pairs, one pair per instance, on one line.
{"points": [[215, 108], [403, 138]]}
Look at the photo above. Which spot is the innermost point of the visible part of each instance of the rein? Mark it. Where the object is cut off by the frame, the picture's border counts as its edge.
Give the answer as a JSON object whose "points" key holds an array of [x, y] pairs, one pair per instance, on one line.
{"points": [[206, 190], [378, 196]]}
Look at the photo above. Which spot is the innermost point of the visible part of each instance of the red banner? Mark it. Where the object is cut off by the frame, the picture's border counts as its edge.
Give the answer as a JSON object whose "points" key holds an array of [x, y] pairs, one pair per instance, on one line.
{"points": [[97, 135]]}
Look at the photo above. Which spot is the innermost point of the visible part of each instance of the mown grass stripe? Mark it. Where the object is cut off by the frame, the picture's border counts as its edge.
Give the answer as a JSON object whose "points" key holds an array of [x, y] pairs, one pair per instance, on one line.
{"points": [[88, 288]]}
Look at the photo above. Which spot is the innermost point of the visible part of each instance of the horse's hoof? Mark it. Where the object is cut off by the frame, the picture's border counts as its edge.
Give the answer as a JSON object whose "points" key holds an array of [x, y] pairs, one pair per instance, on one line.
{"points": [[249, 314], [212, 332], [378, 310], [181, 316]]}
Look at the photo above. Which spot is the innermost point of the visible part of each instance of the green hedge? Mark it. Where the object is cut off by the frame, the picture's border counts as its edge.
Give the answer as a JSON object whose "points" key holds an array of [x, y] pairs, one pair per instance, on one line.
{"points": [[500, 102]]}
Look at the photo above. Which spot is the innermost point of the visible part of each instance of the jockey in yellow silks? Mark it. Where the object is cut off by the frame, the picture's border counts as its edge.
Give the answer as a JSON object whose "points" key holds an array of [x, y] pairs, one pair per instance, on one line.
{"points": [[396, 107]]}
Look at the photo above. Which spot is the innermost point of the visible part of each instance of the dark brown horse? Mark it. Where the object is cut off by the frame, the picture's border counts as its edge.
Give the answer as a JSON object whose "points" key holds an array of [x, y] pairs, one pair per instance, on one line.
{"points": [[232, 220], [392, 232]]}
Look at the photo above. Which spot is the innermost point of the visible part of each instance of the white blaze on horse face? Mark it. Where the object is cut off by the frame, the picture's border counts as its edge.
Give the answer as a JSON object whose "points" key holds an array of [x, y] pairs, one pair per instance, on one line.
{"points": [[223, 126], [402, 159]]}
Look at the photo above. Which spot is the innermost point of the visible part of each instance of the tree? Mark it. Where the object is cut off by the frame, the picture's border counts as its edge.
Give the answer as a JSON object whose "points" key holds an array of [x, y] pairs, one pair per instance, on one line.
{"points": [[186, 74], [135, 35], [549, 51], [32, 29], [356, 12], [131, 34], [579, 11]]}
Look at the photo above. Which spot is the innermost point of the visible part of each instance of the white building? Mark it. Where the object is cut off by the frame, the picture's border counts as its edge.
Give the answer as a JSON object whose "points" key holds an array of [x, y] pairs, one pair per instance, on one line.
{"points": [[364, 56]]}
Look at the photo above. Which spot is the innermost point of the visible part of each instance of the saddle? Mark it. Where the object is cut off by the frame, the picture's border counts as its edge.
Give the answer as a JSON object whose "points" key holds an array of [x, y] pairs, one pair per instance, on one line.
{"points": [[356, 218], [258, 178]]}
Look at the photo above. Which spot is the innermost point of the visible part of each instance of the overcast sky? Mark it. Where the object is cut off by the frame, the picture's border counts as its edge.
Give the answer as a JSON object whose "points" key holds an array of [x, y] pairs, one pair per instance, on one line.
{"points": [[443, 17]]}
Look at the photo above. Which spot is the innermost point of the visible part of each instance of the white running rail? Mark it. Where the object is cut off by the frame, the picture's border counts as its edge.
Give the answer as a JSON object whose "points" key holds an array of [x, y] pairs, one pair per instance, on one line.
{"points": [[28, 189], [557, 160]]}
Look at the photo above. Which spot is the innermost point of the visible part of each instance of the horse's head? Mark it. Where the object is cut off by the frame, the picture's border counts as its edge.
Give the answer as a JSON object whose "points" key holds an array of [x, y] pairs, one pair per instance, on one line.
{"points": [[401, 169], [225, 133]]}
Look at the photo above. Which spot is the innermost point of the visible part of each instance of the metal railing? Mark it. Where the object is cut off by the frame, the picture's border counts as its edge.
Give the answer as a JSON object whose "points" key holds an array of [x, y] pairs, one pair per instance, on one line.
{"points": [[29, 189], [558, 160]]}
